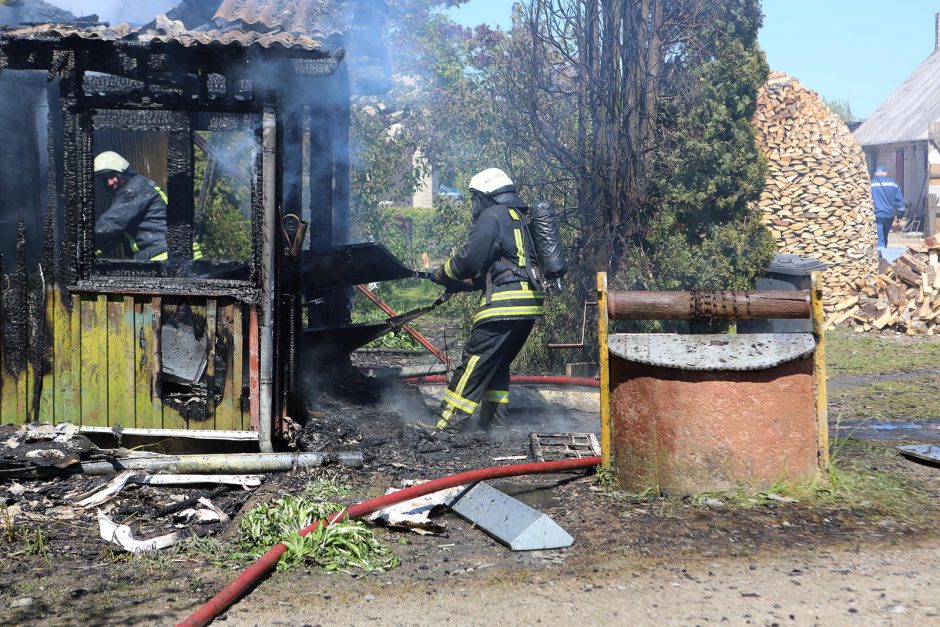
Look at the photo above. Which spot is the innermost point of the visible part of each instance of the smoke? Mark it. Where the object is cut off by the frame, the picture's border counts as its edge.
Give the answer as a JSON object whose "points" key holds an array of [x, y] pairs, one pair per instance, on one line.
{"points": [[117, 11]]}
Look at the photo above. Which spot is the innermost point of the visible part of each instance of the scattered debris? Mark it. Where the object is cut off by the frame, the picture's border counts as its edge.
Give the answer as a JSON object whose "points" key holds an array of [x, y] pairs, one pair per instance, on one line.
{"points": [[122, 536], [414, 514], [211, 513], [511, 458], [23, 602], [245, 481], [36, 445], [773, 496], [552, 446], [105, 493], [509, 520], [927, 453]]}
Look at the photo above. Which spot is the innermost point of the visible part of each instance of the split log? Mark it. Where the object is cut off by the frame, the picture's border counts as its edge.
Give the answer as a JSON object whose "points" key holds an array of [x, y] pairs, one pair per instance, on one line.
{"points": [[817, 200]]}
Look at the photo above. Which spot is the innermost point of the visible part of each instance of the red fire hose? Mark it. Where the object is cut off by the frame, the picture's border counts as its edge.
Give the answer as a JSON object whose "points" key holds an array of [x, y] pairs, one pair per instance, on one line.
{"points": [[224, 599], [521, 379]]}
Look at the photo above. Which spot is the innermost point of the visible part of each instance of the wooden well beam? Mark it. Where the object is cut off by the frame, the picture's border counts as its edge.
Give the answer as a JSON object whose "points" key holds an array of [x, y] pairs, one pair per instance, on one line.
{"points": [[709, 305]]}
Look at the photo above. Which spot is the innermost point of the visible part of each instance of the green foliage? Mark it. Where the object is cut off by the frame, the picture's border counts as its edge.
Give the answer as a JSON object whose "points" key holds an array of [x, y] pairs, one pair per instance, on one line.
{"points": [[381, 158], [223, 203], [343, 545], [841, 108], [705, 231]]}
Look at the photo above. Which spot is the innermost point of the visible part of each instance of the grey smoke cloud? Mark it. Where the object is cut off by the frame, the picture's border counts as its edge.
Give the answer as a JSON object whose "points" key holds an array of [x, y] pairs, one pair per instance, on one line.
{"points": [[117, 11]]}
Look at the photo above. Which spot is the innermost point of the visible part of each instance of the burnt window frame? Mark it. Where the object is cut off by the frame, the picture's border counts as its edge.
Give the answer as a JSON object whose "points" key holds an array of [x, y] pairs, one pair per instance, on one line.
{"points": [[180, 270]]}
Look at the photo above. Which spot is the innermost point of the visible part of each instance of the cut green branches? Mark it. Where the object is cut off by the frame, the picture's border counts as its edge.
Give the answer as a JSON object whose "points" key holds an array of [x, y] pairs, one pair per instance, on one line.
{"points": [[344, 545]]}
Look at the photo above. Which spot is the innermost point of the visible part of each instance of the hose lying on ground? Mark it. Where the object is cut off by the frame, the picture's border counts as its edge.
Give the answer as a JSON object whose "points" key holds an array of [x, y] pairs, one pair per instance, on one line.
{"points": [[224, 599]]}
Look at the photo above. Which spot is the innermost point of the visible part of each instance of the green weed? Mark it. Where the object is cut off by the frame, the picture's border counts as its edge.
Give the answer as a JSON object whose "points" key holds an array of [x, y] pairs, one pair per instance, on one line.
{"points": [[343, 545]]}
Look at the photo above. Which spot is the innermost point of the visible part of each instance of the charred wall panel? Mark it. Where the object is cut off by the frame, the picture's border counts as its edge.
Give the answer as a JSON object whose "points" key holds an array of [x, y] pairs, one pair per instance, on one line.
{"points": [[22, 159]]}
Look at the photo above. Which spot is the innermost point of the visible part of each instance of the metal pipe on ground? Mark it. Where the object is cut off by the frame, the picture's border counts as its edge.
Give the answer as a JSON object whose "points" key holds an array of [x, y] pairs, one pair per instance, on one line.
{"points": [[250, 576], [238, 463], [709, 305]]}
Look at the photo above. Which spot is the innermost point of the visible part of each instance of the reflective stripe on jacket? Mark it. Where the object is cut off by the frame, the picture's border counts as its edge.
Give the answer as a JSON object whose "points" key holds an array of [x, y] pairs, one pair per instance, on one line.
{"points": [[497, 253]]}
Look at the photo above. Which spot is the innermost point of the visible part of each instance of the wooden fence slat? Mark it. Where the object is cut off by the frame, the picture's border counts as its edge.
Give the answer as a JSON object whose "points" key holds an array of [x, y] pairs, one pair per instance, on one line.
{"points": [[240, 416], [94, 356], [228, 411], [211, 322], [66, 359], [121, 371], [47, 394], [172, 419], [149, 414]]}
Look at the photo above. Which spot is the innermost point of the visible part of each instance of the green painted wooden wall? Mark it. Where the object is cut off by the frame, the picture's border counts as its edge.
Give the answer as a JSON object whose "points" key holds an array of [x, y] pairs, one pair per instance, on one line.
{"points": [[102, 365]]}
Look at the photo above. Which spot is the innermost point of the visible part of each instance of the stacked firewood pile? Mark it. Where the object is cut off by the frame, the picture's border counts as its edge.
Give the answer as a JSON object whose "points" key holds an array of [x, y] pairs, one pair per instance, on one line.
{"points": [[905, 297], [817, 199]]}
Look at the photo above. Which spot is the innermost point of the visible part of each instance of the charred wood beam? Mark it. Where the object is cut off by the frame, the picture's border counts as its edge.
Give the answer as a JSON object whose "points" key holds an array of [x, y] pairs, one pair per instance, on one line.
{"points": [[342, 298], [181, 207], [321, 176], [169, 60]]}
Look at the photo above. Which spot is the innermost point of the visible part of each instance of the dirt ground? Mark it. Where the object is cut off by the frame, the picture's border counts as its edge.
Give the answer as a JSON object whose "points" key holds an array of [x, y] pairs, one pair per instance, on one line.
{"points": [[863, 550]]}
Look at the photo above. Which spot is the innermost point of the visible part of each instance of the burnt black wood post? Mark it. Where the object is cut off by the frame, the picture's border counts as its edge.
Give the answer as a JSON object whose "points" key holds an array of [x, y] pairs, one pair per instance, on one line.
{"points": [[181, 206]]}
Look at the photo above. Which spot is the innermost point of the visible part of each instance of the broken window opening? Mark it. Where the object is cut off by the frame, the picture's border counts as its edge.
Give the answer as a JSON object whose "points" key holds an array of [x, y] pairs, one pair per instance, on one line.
{"points": [[175, 194]]}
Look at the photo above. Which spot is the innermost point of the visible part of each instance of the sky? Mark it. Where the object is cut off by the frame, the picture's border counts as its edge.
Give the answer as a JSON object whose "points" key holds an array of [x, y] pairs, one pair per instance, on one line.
{"points": [[857, 51]]}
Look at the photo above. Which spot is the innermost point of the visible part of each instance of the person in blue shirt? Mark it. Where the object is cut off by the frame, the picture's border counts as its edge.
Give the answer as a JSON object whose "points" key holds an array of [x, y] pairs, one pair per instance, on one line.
{"points": [[889, 204]]}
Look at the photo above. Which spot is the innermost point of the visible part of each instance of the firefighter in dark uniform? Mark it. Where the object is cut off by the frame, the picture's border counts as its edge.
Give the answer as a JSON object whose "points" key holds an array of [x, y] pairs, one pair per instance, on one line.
{"points": [[137, 215], [497, 259]]}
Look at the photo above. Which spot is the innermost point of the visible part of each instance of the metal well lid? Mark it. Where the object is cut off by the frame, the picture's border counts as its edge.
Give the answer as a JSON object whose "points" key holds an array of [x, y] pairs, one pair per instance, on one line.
{"points": [[745, 351]]}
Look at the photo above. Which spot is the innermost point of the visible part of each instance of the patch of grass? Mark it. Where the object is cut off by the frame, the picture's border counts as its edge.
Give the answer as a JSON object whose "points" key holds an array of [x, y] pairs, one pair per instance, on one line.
{"points": [[862, 353], [906, 399], [859, 476], [343, 545]]}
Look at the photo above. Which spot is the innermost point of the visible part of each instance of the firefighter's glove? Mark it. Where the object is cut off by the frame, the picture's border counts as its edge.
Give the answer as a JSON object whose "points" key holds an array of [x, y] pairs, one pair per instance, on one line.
{"points": [[440, 278]]}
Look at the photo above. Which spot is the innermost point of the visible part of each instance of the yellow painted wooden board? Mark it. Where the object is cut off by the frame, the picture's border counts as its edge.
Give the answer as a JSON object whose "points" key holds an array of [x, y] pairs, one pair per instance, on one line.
{"points": [[199, 308], [211, 316], [121, 370], [228, 411], [94, 360], [149, 409], [171, 417], [66, 358], [47, 394]]}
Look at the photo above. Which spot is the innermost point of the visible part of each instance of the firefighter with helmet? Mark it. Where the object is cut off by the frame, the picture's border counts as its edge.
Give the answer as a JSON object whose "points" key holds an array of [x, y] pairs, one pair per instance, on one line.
{"points": [[498, 258], [137, 215]]}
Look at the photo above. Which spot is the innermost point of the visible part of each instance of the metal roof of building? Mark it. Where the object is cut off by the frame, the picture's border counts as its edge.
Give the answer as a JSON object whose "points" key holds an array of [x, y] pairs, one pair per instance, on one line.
{"points": [[166, 32], [310, 17], [906, 113]]}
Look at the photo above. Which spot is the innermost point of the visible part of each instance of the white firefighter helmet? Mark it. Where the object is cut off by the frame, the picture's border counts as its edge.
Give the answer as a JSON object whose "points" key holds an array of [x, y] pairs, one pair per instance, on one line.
{"points": [[491, 181], [110, 161]]}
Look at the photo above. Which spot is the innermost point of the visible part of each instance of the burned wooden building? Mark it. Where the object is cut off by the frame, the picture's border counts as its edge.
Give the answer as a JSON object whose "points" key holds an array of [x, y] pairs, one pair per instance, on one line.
{"points": [[239, 110]]}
